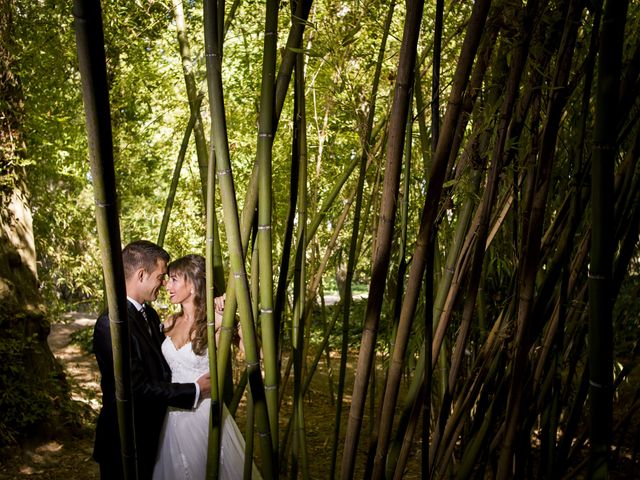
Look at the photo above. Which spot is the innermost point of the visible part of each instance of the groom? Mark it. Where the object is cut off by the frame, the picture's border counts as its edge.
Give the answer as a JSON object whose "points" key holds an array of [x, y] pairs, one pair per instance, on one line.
{"points": [[145, 268]]}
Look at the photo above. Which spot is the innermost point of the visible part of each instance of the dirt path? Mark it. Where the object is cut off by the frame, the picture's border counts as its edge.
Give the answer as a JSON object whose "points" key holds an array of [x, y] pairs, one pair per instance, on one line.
{"points": [[68, 458]]}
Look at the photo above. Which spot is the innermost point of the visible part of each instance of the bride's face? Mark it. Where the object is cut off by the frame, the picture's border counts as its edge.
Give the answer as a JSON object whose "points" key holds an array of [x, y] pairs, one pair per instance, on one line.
{"points": [[179, 288]]}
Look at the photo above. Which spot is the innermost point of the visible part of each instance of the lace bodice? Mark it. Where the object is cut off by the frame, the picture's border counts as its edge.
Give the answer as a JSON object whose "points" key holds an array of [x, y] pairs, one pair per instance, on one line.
{"points": [[185, 365]]}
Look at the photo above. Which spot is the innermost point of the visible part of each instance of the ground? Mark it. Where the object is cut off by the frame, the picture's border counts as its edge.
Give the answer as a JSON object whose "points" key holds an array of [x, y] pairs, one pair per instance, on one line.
{"points": [[65, 458], [70, 458]]}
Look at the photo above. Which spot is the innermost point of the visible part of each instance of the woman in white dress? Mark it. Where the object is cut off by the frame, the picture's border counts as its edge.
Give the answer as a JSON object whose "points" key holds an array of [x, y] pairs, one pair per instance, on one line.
{"points": [[183, 446]]}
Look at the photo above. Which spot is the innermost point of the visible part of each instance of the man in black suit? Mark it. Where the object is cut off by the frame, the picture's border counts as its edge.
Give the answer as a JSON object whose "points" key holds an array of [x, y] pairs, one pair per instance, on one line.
{"points": [[145, 268]]}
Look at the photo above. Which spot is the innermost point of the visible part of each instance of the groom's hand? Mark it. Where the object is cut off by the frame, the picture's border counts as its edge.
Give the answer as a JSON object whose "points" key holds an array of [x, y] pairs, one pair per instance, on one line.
{"points": [[219, 303], [204, 382]]}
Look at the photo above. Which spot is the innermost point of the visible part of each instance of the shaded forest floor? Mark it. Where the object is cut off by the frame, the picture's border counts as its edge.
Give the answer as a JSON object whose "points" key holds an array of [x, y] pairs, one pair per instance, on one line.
{"points": [[69, 457]]}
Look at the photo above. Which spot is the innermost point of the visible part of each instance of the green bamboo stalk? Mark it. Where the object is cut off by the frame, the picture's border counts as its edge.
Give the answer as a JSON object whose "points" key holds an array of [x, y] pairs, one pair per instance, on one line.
{"points": [[488, 381], [95, 94], [422, 127], [192, 93], [251, 200], [281, 290], [266, 128], [298, 324], [215, 414], [232, 228], [380, 264], [326, 349], [199, 136], [176, 176], [600, 337], [231, 16], [294, 40]]}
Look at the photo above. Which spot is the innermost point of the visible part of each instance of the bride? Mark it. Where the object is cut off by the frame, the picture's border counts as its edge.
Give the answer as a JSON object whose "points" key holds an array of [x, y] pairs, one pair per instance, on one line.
{"points": [[182, 452]]}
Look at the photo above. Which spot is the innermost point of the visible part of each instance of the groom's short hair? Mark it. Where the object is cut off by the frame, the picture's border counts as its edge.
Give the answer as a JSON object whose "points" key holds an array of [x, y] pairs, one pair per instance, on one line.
{"points": [[142, 254]]}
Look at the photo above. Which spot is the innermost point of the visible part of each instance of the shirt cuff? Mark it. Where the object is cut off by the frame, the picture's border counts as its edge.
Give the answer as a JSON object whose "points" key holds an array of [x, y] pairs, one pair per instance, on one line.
{"points": [[195, 403]]}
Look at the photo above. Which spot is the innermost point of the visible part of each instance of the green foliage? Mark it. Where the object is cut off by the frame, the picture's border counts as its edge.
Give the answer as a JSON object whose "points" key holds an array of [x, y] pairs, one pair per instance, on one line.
{"points": [[83, 338], [28, 404]]}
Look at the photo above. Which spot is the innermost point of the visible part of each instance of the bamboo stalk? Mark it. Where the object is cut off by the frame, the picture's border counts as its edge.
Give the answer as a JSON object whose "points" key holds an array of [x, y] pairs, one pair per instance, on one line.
{"points": [[232, 228], [600, 335], [215, 414], [266, 128], [194, 100], [192, 94], [298, 324], [176, 176], [95, 93]]}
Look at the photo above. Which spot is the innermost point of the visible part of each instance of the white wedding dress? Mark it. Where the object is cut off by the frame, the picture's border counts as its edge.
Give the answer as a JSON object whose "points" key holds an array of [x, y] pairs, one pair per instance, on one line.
{"points": [[182, 454]]}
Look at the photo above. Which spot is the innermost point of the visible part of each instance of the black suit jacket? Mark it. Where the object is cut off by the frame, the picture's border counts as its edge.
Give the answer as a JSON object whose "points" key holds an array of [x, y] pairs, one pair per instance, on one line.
{"points": [[153, 392]]}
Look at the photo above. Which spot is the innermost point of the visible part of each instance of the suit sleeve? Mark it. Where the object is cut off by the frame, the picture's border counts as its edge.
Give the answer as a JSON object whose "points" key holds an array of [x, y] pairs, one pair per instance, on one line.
{"points": [[180, 395], [104, 355], [145, 370]]}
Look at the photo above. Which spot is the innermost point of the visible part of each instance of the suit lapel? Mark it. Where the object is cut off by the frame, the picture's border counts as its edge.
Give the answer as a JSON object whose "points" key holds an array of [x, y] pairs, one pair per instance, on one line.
{"points": [[139, 329]]}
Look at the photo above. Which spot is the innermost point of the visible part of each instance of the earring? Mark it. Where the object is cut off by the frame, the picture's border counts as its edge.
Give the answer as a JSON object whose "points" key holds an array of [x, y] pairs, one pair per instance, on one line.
{"points": [[192, 291]]}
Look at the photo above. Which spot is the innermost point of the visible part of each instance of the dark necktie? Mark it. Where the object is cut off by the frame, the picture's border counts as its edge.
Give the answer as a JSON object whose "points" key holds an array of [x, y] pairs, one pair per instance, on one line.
{"points": [[146, 320]]}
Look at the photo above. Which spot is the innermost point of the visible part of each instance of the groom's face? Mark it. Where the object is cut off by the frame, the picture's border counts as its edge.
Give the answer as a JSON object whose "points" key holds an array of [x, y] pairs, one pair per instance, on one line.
{"points": [[153, 281]]}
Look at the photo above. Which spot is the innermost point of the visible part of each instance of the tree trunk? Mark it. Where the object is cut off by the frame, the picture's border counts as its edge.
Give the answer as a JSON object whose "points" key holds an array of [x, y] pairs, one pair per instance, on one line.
{"points": [[25, 358]]}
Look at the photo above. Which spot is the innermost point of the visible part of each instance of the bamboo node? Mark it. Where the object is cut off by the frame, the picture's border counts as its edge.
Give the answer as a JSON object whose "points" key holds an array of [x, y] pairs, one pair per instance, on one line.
{"points": [[593, 276], [211, 55], [102, 204], [270, 32], [239, 274], [253, 364], [596, 384], [225, 171], [264, 227], [266, 310], [265, 135], [270, 387]]}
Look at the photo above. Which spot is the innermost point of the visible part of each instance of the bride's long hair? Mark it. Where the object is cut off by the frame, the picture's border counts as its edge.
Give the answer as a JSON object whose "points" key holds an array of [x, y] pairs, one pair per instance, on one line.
{"points": [[192, 268]]}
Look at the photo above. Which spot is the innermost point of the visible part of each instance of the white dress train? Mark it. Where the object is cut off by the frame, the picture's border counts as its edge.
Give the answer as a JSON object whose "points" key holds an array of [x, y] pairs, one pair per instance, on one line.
{"points": [[182, 454]]}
